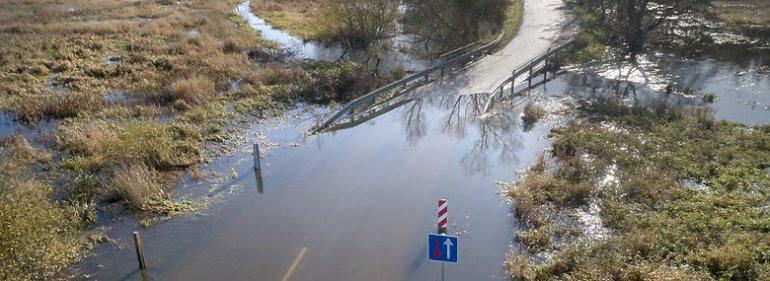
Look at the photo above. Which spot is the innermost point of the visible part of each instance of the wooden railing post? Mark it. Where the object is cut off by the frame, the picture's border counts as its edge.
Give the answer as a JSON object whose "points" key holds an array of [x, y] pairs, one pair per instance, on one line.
{"points": [[545, 67], [529, 77]]}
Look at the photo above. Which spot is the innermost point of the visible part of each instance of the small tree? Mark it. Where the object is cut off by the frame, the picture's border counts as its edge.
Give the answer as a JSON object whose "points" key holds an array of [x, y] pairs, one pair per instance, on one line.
{"points": [[360, 23]]}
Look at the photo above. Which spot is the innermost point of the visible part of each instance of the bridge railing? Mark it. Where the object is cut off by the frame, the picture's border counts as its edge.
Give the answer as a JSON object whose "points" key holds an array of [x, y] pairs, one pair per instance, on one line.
{"points": [[535, 65], [398, 86]]}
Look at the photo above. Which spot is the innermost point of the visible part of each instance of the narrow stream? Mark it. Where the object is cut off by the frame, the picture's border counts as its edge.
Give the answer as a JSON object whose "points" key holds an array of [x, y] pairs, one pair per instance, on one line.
{"points": [[393, 57]]}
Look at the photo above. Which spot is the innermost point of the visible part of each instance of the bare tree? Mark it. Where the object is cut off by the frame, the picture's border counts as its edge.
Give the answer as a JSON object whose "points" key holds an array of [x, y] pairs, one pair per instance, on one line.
{"points": [[360, 23], [629, 24]]}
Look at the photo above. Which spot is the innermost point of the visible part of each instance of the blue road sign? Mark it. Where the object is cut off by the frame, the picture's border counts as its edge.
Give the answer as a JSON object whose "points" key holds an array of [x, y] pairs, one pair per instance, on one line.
{"points": [[442, 247]]}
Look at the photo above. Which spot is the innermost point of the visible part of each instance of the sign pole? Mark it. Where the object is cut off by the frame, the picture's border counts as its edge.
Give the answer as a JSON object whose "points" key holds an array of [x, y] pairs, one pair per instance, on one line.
{"points": [[443, 216], [441, 246], [443, 219]]}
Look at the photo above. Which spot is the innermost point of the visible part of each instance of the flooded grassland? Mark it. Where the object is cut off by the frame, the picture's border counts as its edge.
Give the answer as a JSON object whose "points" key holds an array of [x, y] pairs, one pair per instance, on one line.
{"points": [[103, 108], [662, 174]]}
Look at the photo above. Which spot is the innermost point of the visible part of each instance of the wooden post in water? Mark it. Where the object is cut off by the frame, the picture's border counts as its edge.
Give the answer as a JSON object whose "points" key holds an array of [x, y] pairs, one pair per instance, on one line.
{"points": [[257, 164], [139, 252], [260, 184]]}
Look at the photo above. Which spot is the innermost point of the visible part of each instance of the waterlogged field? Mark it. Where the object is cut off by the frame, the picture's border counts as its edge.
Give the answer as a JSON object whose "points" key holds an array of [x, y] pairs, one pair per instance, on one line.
{"points": [[664, 173], [103, 106], [646, 195]]}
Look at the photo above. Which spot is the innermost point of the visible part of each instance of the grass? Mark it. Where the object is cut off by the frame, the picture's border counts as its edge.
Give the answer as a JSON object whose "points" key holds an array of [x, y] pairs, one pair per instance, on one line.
{"points": [[298, 18], [743, 12], [590, 42], [660, 228], [172, 64], [195, 90], [513, 19], [99, 144], [38, 237]]}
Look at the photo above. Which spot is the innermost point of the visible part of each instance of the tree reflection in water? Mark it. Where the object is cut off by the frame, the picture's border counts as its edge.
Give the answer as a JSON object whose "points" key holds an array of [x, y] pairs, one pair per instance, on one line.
{"points": [[498, 134]]}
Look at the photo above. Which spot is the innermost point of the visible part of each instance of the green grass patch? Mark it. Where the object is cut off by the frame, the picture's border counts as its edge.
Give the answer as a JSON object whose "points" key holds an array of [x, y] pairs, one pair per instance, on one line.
{"points": [[513, 18], [690, 200]]}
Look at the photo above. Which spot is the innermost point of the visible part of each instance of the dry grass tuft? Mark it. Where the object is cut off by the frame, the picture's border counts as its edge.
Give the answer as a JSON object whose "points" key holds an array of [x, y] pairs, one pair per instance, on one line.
{"points": [[135, 184], [195, 90], [532, 113]]}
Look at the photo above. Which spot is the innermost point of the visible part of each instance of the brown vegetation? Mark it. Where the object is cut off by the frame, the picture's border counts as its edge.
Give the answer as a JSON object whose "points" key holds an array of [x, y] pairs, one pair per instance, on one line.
{"points": [[299, 18]]}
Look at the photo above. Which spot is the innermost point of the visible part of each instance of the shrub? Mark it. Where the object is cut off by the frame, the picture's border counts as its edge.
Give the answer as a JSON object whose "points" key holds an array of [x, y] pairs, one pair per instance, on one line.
{"points": [[358, 23]]}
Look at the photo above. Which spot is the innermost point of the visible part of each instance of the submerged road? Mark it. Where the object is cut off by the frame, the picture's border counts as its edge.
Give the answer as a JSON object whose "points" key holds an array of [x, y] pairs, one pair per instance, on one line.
{"points": [[358, 204]]}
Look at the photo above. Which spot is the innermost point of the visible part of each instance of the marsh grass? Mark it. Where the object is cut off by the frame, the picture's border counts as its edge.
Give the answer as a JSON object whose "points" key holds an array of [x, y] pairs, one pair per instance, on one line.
{"points": [[659, 229], [135, 184], [139, 88], [104, 143], [38, 237], [298, 18], [195, 90]]}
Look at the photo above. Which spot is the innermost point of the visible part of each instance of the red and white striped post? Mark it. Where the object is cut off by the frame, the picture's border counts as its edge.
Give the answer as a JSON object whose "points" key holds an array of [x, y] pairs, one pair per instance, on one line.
{"points": [[443, 216]]}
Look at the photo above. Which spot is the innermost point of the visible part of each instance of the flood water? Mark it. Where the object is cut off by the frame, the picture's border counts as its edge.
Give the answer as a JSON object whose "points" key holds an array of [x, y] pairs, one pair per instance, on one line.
{"points": [[392, 56], [741, 89], [361, 200]]}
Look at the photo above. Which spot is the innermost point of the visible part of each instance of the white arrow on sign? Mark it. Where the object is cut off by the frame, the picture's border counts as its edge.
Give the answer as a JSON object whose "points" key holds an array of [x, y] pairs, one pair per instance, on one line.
{"points": [[448, 244]]}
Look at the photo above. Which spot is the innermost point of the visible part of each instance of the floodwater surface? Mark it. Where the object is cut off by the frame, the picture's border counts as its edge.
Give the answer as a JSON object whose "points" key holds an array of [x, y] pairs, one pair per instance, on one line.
{"points": [[361, 201]]}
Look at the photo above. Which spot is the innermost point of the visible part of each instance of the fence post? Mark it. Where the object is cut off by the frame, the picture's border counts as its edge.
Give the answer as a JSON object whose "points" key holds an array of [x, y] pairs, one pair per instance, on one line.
{"points": [[257, 164], [139, 252], [529, 77], [545, 67]]}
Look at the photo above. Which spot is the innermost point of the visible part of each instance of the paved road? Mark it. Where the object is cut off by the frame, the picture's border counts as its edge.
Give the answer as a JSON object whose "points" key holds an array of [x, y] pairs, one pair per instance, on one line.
{"points": [[546, 23]]}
